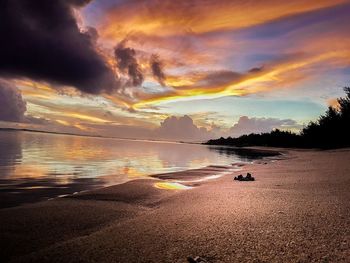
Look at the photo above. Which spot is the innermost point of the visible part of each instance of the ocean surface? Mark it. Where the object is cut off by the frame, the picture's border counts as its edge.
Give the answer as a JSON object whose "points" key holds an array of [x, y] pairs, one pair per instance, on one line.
{"points": [[38, 166]]}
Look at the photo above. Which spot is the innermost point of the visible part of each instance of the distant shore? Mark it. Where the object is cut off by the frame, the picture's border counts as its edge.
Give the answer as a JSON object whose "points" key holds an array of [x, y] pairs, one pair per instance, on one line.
{"points": [[297, 210], [91, 135]]}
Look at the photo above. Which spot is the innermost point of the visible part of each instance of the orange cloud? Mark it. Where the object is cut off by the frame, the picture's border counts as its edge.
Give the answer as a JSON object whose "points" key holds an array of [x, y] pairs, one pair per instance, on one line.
{"points": [[272, 76], [168, 28], [164, 18], [333, 102]]}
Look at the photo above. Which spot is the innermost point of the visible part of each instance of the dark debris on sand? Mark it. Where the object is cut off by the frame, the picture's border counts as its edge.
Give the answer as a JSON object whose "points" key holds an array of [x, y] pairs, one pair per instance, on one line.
{"points": [[240, 177]]}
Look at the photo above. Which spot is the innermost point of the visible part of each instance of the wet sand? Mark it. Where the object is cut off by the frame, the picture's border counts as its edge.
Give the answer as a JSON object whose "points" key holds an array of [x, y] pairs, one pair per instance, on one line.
{"points": [[297, 210]]}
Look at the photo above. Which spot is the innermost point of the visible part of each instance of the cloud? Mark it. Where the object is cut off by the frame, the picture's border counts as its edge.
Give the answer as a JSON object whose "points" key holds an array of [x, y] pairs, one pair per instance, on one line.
{"points": [[215, 79], [237, 59], [288, 69], [333, 102], [121, 131], [42, 41], [165, 18], [246, 125], [181, 128], [157, 69], [12, 105], [172, 128], [127, 63]]}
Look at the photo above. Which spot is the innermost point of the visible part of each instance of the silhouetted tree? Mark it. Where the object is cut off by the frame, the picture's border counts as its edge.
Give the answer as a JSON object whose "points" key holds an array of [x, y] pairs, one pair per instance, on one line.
{"points": [[331, 130]]}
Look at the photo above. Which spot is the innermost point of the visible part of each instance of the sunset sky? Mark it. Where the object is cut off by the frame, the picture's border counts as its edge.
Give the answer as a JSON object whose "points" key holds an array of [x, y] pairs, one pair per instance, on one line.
{"points": [[173, 70]]}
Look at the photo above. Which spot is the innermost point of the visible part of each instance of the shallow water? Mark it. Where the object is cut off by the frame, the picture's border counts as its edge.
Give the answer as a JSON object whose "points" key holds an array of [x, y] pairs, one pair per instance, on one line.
{"points": [[37, 166]]}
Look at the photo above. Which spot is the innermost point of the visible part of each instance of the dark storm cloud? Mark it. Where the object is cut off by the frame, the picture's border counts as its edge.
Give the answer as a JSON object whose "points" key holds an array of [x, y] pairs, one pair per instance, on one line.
{"points": [[157, 69], [12, 105], [127, 63], [41, 40], [92, 33]]}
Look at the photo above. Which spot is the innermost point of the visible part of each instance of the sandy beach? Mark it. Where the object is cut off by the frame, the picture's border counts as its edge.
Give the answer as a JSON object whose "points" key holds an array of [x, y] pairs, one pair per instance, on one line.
{"points": [[297, 210]]}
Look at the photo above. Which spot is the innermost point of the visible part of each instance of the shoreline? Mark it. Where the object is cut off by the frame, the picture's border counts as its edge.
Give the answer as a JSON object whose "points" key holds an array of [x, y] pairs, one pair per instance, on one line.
{"points": [[186, 177], [267, 154], [199, 174], [293, 212]]}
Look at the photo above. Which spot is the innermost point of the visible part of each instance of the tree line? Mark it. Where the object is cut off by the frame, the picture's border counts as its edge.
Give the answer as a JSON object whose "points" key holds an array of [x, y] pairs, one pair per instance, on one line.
{"points": [[331, 130]]}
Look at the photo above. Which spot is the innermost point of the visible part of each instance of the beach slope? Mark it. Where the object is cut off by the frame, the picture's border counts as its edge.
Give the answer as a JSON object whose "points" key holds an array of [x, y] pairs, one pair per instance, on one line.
{"points": [[297, 210]]}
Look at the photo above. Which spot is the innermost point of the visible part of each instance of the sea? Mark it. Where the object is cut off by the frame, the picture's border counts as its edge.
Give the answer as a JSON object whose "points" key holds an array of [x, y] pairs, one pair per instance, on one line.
{"points": [[36, 166]]}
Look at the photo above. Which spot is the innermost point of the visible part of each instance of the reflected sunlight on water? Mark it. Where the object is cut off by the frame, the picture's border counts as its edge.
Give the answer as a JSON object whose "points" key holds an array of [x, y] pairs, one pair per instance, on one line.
{"points": [[171, 186], [38, 166]]}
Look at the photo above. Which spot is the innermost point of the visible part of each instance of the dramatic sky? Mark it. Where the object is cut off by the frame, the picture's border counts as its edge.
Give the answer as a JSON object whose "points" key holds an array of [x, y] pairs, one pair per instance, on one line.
{"points": [[176, 70]]}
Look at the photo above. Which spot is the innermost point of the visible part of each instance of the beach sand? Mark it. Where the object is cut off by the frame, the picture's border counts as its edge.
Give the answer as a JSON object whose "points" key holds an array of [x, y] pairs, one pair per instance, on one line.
{"points": [[297, 210]]}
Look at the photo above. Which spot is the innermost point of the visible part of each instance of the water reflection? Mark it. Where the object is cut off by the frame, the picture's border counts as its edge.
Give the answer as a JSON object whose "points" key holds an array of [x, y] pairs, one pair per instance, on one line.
{"points": [[245, 155], [10, 153], [36, 166]]}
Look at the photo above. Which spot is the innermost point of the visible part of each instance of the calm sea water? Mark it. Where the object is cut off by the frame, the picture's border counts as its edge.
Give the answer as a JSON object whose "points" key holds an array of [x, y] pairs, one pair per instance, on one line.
{"points": [[37, 166]]}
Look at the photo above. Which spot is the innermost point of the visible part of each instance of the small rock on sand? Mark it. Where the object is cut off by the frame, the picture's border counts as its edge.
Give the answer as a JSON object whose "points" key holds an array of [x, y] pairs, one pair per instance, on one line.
{"points": [[196, 260]]}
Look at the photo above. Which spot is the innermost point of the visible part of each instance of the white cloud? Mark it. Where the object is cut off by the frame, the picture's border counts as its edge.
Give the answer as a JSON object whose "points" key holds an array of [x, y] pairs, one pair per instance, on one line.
{"points": [[181, 128], [246, 125], [12, 105]]}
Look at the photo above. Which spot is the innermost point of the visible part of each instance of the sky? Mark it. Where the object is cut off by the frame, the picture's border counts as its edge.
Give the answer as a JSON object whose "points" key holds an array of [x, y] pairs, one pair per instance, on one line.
{"points": [[171, 70]]}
